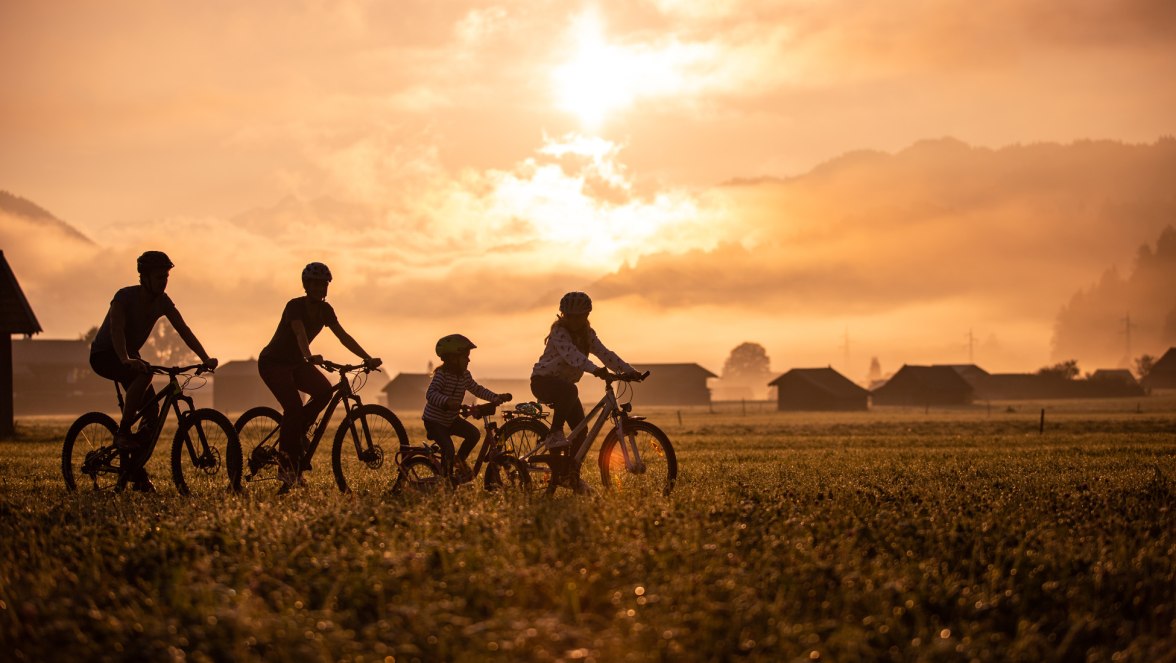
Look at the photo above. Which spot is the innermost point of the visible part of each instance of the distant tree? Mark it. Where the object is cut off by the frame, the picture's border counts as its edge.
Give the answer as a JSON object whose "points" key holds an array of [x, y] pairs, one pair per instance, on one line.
{"points": [[875, 373], [1067, 370], [1144, 365], [89, 335], [164, 347], [748, 364]]}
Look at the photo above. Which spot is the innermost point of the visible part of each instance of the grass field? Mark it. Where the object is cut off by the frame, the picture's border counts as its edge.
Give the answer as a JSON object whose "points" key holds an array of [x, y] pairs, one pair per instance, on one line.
{"points": [[892, 535]]}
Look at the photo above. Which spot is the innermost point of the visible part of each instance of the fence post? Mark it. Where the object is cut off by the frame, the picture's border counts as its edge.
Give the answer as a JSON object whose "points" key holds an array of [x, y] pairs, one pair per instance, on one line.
{"points": [[1041, 428], [679, 417]]}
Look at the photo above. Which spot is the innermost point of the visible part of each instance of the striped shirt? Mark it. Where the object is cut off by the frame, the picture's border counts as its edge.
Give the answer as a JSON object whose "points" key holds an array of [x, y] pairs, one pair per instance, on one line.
{"points": [[562, 359], [446, 385]]}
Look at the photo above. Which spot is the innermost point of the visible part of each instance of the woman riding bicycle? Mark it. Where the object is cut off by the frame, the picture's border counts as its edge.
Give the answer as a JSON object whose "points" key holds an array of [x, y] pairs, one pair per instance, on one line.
{"points": [[564, 362], [114, 353], [286, 366]]}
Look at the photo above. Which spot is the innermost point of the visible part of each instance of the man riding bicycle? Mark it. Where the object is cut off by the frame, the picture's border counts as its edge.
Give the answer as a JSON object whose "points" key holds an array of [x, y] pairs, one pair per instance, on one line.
{"points": [[114, 353], [287, 367]]}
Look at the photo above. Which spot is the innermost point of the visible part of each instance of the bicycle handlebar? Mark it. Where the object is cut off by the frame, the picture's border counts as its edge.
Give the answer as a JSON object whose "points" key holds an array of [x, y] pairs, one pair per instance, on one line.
{"points": [[173, 371], [332, 367], [618, 377], [479, 411]]}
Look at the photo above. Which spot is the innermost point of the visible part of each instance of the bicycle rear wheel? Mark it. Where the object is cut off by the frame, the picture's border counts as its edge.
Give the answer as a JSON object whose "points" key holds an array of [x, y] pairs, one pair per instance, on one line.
{"points": [[507, 473], [654, 468], [89, 460], [257, 429], [519, 437], [206, 455], [420, 474], [363, 440]]}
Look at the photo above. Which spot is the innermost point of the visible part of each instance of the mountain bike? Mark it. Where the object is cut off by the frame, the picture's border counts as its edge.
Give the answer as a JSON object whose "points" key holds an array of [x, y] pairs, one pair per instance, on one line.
{"points": [[90, 458], [635, 454], [503, 470], [360, 440]]}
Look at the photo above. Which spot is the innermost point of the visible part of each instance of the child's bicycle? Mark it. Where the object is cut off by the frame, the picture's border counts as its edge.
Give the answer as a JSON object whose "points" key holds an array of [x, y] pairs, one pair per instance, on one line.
{"points": [[360, 440], [635, 455], [90, 459], [503, 470]]}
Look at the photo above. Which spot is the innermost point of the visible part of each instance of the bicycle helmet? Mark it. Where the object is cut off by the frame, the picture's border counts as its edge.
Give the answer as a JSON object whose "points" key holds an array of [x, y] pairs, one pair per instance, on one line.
{"points": [[453, 344], [316, 271], [575, 303], [153, 260]]}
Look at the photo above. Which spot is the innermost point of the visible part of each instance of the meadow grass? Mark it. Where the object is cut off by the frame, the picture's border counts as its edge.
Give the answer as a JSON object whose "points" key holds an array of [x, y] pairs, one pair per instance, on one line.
{"points": [[890, 535]]}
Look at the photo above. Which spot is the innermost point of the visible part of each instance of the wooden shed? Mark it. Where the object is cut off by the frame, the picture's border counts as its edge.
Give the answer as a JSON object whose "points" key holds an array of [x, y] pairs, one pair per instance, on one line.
{"points": [[16, 317], [237, 386], [818, 389], [1163, 374], [922, 386], [673, 384], [54, 377], [405, 394]]}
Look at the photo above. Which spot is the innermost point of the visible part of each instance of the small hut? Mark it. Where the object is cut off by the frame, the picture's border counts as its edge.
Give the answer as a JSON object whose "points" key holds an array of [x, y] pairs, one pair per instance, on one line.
{"points": [[237, 386], [1163, 373], [16, 317], [405, 393], [818, 389], [673, 384], [924, 386]]}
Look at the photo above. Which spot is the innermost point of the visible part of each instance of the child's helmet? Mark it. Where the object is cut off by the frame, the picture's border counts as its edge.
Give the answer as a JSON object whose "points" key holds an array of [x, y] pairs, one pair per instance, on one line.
{"points": [[575, 303], [316, 271], [453, 344], [153, 260]]}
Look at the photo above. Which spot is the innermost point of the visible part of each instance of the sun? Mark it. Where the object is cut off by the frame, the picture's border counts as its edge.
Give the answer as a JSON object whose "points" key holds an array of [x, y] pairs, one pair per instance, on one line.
{"points": [[598, 80]]}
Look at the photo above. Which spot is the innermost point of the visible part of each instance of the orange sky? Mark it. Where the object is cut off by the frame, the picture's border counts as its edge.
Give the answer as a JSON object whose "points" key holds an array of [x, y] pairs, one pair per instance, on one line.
{"points": [[529, 147]]}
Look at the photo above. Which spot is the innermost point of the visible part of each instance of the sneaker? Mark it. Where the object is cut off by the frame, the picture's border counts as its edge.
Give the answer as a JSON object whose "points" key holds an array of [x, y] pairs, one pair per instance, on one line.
{"points": [[143, 486], [556, 440]]}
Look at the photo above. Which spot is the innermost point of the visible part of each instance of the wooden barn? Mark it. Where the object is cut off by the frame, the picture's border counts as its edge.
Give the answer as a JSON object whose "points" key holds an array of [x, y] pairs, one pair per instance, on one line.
{"points": [[821, 389], [16, 317], [672, 384], [922, 386], [54, 377], [237, 386], [1163, 374], [405, 393]]}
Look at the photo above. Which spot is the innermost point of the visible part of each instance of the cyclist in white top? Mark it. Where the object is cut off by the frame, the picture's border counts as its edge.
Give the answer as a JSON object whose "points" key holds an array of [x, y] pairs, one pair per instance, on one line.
{"points": [[564, 362]]}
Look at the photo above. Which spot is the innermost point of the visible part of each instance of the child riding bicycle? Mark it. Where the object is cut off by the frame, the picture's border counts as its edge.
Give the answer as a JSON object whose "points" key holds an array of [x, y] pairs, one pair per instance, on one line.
{"points": [[443, 399], [564, 362], [114, 353], [287, 366]]}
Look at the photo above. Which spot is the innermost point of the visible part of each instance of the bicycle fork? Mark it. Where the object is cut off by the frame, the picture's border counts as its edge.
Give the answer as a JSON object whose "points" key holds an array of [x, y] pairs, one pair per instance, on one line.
{"points": [[629, 451]]}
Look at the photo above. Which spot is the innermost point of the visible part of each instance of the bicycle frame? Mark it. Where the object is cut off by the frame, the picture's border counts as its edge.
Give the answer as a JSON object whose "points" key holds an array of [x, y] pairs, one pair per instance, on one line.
{"points": [[341, 391], [168, 399], [606, 410], [491, 446]]}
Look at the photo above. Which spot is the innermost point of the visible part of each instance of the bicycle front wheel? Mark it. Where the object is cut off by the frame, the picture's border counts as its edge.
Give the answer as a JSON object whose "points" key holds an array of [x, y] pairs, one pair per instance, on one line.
{"points": [[364, 440], [89, 460], [258, 430], [643, 461], [507, 473], [206, 455], [520, 436]]}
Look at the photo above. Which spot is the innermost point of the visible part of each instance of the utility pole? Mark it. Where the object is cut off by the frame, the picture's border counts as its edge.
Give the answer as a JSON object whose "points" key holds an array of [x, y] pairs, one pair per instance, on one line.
{"points": [[1127, 326], [971, 347], [845, 350]]}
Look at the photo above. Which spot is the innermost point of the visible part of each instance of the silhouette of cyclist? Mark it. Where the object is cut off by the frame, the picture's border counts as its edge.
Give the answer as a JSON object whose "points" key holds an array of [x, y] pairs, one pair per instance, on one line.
{"points": [[114, 353], [286, 366], [564, 362]]}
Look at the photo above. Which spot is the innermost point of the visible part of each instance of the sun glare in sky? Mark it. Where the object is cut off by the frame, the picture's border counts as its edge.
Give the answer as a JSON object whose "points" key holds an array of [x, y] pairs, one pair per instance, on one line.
{"points": [[599, 78]]}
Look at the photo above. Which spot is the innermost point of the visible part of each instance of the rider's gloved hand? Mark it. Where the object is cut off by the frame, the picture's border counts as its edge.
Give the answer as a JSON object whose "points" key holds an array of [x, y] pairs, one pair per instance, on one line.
{"points": [[504, 398], [314, 359], [635, 375], [601, 372], [211, 363], [373, 362]]}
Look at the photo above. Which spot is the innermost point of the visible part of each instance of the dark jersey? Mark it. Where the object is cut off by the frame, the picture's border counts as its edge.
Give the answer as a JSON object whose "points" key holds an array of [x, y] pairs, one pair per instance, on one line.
{"points": [[141, 311], [283, 347]]}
